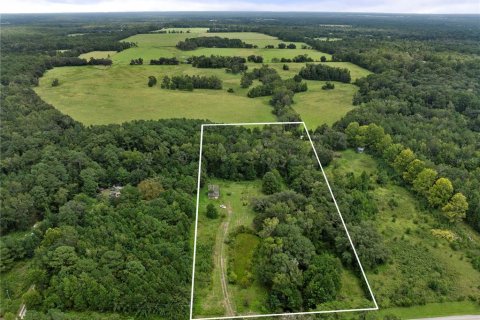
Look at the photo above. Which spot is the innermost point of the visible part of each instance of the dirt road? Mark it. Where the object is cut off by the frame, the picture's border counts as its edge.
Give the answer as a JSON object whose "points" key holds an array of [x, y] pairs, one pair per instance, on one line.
{"points": [[223, 264]]}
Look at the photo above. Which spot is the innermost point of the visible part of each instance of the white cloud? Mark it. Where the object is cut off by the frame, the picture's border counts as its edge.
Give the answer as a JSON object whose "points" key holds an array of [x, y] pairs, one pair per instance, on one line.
{"points": [[402, 6]]}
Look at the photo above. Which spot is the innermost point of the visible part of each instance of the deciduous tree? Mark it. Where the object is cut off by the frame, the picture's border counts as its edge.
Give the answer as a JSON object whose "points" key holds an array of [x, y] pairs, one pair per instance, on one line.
{"points": [[455, 210], [440, 192]]}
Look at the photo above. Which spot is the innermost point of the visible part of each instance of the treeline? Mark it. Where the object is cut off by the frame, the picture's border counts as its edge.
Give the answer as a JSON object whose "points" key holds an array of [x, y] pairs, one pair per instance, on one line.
{"points": [[299, 58], [188, 83], [282, 91], [325, 73], [233, 64], [212, 42], [281, 46], [75, 61], [27, 55], [164, 61], [255, 59], [424, 180], [414, 97], [136, 62]]}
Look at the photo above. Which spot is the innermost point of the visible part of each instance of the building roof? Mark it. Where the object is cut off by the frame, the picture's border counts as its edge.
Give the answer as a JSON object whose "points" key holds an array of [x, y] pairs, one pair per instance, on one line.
{"points": [[213, 190]]}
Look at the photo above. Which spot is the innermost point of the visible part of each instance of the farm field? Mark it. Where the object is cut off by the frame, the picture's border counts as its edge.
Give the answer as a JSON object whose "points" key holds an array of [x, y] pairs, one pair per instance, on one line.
{"points": [[96, 95], [424, 267], [98, 55], [154, 45]]}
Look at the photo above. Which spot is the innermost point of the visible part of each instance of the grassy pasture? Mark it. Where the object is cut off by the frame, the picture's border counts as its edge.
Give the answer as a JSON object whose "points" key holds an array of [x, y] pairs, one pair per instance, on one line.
{"points": [[317, 106], [97, 95], [102, 95], [155, 45], [98, 54]]}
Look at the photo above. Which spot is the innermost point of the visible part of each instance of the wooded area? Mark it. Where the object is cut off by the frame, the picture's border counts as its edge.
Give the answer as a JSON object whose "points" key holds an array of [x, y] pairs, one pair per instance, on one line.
{"points": [[418, 115]]}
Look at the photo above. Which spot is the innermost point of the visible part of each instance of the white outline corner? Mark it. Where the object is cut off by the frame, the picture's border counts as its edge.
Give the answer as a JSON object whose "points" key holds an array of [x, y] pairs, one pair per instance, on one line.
{"points": [[336, 206]]}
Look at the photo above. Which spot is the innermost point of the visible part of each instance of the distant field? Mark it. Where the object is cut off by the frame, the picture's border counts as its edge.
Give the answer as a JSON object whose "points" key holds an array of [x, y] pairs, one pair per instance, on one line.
{"points": [[155, 45], [317, 106], [98, 54], [95, 95], [116, 94]]}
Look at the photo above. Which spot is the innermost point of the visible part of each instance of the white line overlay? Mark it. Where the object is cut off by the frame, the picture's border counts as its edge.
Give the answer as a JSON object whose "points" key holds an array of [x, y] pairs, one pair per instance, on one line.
{"points": [[336, 206]]}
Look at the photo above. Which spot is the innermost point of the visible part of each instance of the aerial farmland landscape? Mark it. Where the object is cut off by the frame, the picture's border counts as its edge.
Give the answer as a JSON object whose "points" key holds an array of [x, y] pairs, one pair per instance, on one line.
{"points": [[291, 161]]}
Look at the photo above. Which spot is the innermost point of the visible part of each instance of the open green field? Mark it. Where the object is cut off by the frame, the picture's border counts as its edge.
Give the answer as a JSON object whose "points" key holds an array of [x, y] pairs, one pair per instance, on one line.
{"points": [[155, 45], [98, 95], [103, 95], [426, 269], [434, 310], [98, 55]]}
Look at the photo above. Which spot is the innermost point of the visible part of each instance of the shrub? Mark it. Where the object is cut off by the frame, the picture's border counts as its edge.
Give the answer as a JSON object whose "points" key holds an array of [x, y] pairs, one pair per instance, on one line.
{"points": [[328, 86], [212, 212], [152, 81]]}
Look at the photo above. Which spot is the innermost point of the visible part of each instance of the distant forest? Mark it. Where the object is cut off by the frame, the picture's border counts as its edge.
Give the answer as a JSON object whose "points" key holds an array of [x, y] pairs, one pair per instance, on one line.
{"points": [[422, 103]]}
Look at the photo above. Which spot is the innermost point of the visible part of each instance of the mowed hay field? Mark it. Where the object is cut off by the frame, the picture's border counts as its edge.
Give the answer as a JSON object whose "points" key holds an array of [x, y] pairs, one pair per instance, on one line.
{"points": [[103, 95]]}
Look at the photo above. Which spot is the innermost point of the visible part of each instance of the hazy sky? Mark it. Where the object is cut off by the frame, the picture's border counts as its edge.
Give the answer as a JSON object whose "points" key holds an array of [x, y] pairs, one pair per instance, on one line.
{"points": [[391, 6]]}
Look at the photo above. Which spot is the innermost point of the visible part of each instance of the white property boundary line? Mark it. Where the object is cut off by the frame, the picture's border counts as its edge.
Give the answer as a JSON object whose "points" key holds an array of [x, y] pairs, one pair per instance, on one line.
{"points": [[336, 206]]}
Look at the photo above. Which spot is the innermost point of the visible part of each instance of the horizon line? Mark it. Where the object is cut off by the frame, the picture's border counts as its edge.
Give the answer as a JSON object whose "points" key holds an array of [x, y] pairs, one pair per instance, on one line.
{"points": [[246, 11]]}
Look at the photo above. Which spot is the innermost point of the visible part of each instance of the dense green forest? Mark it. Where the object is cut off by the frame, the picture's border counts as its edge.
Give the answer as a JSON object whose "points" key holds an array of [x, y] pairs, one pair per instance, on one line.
{"points": [[418, 115]]}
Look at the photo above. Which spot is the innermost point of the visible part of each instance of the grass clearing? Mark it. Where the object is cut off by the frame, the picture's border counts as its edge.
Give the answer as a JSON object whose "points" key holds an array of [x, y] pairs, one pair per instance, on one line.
{"points": [[98, 55], [425, 272], [208, 296], [317, 106], [14, 283], [155, 45], [434, 310], [252, 298], [97, 95]]}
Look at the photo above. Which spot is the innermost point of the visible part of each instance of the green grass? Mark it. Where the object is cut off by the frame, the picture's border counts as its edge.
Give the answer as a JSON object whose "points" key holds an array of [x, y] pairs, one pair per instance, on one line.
{"points": [[103, 95], [349, 160], [155, 45], [435, 310], [243, 249], [317, 106], [192, 30], [351, 292], [252, 299], [98, 95], [208, 299], [417, 257], [98, 54], [13, 284]]}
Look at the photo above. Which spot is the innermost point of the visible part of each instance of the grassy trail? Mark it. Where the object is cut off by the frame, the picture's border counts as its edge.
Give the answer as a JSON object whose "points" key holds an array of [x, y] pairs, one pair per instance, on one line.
{"points": [[222, 264]]}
